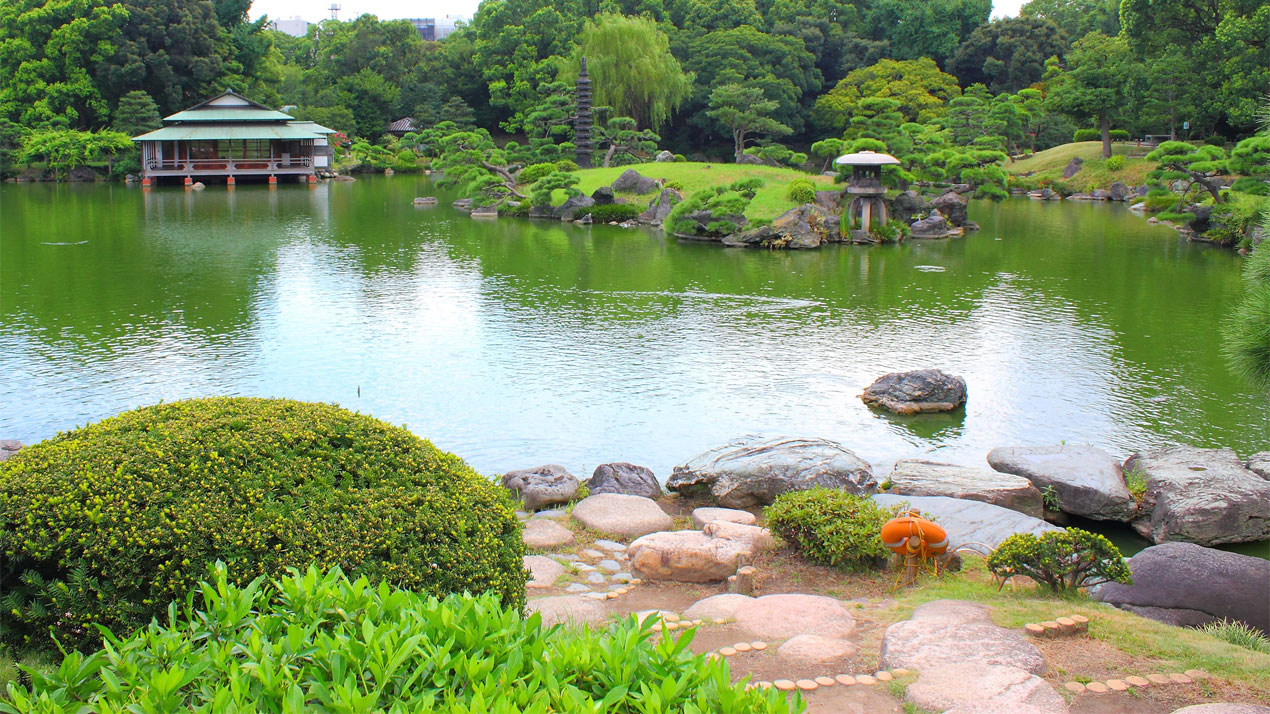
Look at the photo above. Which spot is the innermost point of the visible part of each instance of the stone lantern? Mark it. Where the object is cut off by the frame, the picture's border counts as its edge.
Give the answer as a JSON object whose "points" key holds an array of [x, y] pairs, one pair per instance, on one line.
{"points": [[868, 206]]}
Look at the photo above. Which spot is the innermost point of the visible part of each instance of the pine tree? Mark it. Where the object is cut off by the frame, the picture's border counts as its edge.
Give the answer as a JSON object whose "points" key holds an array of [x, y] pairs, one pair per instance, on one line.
{"points": [[136, 114]]}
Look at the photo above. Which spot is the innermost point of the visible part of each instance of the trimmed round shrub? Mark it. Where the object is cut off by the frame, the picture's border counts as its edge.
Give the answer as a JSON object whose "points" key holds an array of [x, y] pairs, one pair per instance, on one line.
{"points": [[801, 191], [1115, 163], [533, 172], [1063, 560], [566, 165], [830, 526], [109, 523]]}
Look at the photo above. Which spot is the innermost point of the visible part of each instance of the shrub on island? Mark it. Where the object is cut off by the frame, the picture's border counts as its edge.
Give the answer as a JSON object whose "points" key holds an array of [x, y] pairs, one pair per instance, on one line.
{"points": [[317, 641], [830, 526], [107, 524], [617, 212], [1063, 560]]}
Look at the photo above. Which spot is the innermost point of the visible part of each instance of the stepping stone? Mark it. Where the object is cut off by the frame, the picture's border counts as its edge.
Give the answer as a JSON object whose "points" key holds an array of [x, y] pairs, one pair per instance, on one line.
{"points": [[883, 676], [1097, 687], [621, 577], [807, 685], [620, 515], [759, 646], [814, 648], [542, 533], [865, 679], [825, 681], [785, 685], [1159, 678], [1180, 678], [611, 545], [554, 513], [1074, 687], [845, 680], [593, 553], [562, 558], [596, 596], [610, 565], [717, 607], [581, 567], [1196, 674], [727, 651], [543, 571], [618, 588], [1117, 685], [991, 687], [955, 632], [577, 588], [571, 609], [686, 556], [595, 579], [784, 616], [742, 647], [702, 516], [1137, 681]]}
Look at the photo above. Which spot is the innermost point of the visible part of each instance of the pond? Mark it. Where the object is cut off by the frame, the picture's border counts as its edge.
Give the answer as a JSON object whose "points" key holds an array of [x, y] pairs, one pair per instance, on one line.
{"points": [[514, 343]]}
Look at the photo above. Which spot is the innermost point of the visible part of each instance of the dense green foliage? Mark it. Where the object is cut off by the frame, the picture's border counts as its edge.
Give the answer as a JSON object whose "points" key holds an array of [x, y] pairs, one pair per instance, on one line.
{"points": [[1239, 634], [1247, 329], [619, 212], [801, 191], [106, 524], [1063, 560], [830, 526], [318, 641]]}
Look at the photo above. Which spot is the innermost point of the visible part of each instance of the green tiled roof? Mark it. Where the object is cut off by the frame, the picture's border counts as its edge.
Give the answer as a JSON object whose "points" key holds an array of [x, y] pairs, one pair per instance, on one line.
{"points": [[228, 114], [233, 132]]}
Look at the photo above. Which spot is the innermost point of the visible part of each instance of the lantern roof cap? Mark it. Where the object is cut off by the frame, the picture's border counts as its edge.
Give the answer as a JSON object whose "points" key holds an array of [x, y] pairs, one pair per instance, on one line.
{"points": [[866, 158]]}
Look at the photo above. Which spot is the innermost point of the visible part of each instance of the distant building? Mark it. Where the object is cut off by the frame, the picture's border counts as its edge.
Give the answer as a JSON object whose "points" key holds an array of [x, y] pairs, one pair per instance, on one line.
{"points": [[232, 136], [432, 29], [294, 27]]}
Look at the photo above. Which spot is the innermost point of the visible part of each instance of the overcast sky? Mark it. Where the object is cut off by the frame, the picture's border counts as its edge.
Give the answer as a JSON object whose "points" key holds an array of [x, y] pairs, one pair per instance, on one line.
{"points": [[314, 10]]}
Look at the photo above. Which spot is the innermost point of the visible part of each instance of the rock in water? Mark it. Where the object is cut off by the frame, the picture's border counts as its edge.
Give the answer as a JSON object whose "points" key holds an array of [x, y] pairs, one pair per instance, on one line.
{"points": [[1187, 584], [1118, 191], [908, 204], [1089, 482], [1257, 463], [922, 390], [685, 556], [748, 473], [1204, 496], [915, 477], [624, 478], [567, 210], [952, 206], [806, 226], [970, 521], [542, 486], [621, 515], [933, 226], [659, 209]]}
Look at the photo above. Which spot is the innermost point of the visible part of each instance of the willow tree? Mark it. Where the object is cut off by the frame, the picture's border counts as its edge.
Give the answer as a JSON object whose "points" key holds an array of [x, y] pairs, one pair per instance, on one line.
{"points": [[631, 68]]}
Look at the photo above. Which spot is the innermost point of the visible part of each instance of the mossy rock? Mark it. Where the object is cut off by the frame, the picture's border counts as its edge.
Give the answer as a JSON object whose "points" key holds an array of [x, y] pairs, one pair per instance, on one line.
{"points": [[109, 523]]}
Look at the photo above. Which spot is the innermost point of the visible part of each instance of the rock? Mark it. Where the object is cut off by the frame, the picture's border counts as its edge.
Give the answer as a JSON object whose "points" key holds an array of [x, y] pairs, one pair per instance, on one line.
{"points": [[541, 486], [1203, 496], [755, 538], [806, 226], [970, 521], [685, 556], [782, 616], [1073, 167], [702, 516], [9, 447], [944, 633], [624, 478], [829, 201], [748, 473], [544, 534], [933, 226], [484, 212], [571, 206], [915, 477], [603, 196], [630, 181], [994, 687], [585, 220], [664, 156], [1118, 191], [568, 609], [1089, 482], [611, 546], [425, 201], [620, 515], [907, 205], [609, 565], [815, 649], [1187, 584], [542, 212], [661, 206], [1223, 708], [82, 173], [952, 206], [1099, 194], [543, 571], [922, 390], [197, 185], [750, 159], [717, 607], [1257, 463]]}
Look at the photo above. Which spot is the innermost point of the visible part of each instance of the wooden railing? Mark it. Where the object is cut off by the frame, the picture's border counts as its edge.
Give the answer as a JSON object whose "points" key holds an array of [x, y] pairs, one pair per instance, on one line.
{"points": [[196, 165]]}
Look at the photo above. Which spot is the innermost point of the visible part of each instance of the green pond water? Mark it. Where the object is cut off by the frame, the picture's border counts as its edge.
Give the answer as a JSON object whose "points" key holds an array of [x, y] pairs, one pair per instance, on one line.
{"points": [[514, 343]]}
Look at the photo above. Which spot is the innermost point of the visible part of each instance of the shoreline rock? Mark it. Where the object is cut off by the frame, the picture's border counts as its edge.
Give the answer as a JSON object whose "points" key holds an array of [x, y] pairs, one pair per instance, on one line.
{"points": [[542, 485], [1089, 482], [970, 521], [1204, 496], [917, 477], [916, 391]]}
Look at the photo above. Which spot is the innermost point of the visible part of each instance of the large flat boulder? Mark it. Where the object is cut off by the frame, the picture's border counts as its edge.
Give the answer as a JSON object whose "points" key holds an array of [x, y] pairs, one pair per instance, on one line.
{"points": [[755, 538], [1188, 584], [686, 556], [542, 485], [944, 633], [921, 390], [815, 649], [1089, 482], [624, 478], [778, 617], [717, 607], [970, 521], [1204, 496], [702, 516], [748, 473], [620, 515], [995, 687], [568, 609], [916, 477]]}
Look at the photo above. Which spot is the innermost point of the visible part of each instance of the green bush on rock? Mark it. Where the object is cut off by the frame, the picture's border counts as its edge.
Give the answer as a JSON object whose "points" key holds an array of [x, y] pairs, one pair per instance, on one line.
{"points": [[801, 191], [320, 642], [109, 523], [1063, 560], [830, 526]]}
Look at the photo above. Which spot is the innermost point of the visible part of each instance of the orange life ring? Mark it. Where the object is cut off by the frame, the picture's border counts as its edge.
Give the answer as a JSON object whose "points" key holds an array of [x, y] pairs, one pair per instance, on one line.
{"points": [[932, 539]]}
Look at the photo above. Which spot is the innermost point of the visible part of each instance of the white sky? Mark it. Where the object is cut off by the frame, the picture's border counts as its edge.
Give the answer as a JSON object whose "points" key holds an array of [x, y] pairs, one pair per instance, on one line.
{"points": [[315, 10]]}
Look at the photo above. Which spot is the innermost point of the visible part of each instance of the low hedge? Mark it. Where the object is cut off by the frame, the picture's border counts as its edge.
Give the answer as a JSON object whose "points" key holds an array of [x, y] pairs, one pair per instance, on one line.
{"points": [[1067, 559], [619, 212], [105, 525], [317, 642], [830, 526]]}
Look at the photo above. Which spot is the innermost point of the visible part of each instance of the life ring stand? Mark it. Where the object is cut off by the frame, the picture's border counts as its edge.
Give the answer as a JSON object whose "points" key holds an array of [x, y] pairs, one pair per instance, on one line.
{"points": [[914, 538]]}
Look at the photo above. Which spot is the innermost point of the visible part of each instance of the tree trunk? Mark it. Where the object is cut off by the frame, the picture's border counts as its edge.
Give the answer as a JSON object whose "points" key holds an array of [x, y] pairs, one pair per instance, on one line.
{"points": [[738, 143], [608, 155], [1104, 125]]}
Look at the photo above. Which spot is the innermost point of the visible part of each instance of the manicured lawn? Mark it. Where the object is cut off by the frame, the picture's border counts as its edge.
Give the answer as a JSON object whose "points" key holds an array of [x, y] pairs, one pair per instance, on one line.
{"points": [[769, 201], [1051, 162]]}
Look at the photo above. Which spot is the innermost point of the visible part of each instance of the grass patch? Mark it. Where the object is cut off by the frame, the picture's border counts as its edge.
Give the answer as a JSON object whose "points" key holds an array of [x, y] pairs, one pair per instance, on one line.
{"points": [[1174, 648], [1049, 164], [1238, 634], [769, 201]]}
